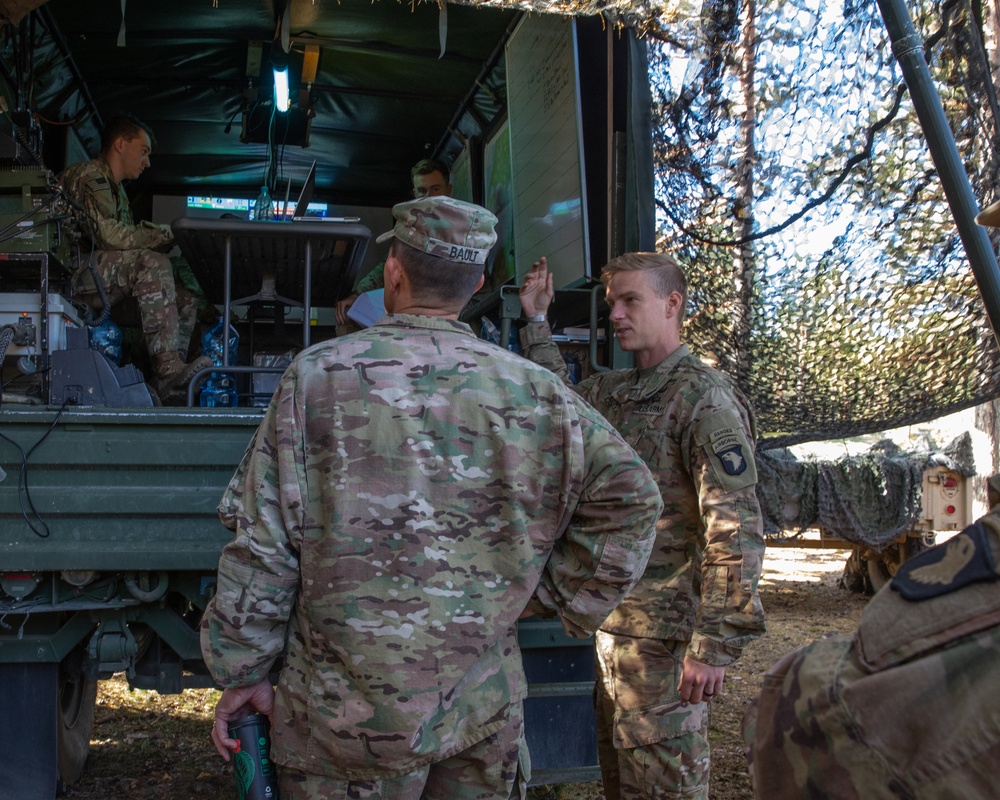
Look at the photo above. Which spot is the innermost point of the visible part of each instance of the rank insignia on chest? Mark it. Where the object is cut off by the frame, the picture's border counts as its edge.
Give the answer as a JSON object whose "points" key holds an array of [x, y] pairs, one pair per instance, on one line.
{"points": [[728, 448]]}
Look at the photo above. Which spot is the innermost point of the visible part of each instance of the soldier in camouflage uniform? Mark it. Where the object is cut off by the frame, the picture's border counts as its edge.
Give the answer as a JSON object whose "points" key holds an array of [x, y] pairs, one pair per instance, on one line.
{"points": [[661, 656], [411, 490], [907, 708], [130, 258], [430, 179]]}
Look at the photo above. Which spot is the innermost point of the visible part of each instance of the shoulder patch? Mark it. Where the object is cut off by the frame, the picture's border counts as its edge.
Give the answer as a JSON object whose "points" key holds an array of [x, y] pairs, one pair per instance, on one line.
{"points": [[723, 442], [98, 183], [733, 460], [962, 560], [727, 444]]}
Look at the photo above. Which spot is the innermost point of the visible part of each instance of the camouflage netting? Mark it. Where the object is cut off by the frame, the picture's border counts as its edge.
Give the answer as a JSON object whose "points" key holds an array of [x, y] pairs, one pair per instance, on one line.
{"points": [[644, 16], [868, 499], [794, 183]]}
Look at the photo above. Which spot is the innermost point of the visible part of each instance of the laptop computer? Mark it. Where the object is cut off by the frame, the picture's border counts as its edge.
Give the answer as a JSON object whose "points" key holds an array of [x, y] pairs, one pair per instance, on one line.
{"points": [[305, 196]]}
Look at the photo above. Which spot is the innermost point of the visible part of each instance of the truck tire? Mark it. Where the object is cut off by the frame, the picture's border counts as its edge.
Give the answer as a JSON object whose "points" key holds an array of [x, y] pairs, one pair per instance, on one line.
{"points": [[855, 576], [28, 735], [883, 566], [880, 572], [77, 704]]}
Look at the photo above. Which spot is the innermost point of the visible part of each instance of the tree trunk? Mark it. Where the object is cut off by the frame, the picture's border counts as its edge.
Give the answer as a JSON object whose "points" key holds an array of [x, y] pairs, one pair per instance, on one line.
{"points": [[745, 257], [988, 421]]}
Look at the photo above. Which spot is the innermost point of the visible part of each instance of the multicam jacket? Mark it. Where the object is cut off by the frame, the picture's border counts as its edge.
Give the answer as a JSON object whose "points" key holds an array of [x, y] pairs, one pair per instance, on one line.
{"points": [[373, 280], [695, 431], [92, 184], [409, 488], [907, 708]]}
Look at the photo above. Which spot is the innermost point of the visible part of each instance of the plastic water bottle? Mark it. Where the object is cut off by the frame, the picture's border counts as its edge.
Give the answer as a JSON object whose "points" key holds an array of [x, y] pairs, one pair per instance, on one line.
{"points": [[219, 389], [107, 339], [262, 208]]}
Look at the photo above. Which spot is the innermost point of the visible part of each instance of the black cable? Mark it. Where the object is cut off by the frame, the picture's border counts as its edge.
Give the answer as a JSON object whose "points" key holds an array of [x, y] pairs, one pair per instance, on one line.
{"points": [[102, 292], [90, 264], [13, 225], [6, 337], [7, 333], [24, 494]]}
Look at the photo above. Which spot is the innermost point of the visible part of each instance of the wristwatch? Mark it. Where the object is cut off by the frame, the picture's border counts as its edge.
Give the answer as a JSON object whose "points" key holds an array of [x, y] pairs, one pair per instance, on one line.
{"points": [[539, 318]]}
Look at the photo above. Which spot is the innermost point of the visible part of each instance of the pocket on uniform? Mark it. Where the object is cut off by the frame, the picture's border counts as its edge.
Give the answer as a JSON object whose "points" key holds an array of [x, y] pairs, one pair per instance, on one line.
{"points": [[668, 721], [523, 772]]}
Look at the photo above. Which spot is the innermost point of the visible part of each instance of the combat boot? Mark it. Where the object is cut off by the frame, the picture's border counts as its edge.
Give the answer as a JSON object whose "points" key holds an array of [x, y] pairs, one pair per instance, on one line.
{"points": [[173, 375]]}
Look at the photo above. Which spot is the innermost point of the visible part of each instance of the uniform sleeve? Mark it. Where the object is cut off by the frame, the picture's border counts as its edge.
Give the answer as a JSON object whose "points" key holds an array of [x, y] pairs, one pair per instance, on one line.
{"points": [[99, 199], [373, 280], [537, 346], [719, 452], [611, 530], [245, 624]]}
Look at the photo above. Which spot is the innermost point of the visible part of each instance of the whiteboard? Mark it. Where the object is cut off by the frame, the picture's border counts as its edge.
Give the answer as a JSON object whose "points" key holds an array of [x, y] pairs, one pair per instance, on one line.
{"points": [[546, 142], [498, 186]]}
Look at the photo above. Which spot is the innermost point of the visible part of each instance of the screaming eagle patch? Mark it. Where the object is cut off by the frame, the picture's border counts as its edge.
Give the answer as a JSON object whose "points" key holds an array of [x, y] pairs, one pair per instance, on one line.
{"points": [[727, 445], [723, 441]]}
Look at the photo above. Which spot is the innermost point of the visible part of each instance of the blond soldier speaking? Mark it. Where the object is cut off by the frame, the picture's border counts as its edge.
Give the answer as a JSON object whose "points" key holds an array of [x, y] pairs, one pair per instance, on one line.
{"points": [[662, 655], [410, 491]]}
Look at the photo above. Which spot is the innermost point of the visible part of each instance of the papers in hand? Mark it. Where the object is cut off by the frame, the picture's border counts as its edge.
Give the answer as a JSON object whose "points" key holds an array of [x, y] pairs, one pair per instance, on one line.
{"points": [[369, 308]]}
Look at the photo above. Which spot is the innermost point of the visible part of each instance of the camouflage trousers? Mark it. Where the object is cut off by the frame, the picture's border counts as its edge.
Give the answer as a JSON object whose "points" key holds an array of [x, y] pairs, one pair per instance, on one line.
{"points": [[497, 768], [651, 745], [167, 308]]}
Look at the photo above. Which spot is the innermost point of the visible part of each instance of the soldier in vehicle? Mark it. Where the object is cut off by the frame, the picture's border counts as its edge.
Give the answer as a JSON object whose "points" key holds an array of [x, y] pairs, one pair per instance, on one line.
{"points": [[430, 179], [130, 257], [411, 491], [662, 655], [908, 706]]}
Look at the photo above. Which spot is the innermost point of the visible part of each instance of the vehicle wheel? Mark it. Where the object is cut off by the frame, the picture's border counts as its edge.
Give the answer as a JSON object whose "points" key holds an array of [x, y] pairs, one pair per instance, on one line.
{"points": [[77, 704], [880, 571], [883, 566], [855, 576], [28, 731]]}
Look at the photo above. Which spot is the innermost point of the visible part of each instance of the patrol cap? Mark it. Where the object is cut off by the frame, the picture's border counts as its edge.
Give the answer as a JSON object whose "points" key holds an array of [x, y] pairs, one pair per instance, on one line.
{"points": [[989, 217], [443, 226]]}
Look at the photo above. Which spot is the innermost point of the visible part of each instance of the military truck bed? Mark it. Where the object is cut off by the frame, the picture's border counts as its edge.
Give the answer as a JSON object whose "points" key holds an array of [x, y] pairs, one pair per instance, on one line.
{"points": [[117, 489]]}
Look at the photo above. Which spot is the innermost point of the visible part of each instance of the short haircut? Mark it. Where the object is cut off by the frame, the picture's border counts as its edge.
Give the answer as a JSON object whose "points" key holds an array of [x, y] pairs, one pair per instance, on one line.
{"points": [[128, 127], [665, 274], [436, 281], [428, 165]]}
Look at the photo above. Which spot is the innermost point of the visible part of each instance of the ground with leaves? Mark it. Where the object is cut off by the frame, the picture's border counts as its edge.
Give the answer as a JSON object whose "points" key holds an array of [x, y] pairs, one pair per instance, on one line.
{"points": [[152, 747]]}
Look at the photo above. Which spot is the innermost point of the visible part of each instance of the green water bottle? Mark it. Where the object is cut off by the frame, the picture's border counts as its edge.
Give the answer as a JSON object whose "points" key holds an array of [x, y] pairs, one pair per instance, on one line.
{"points": [[255, 774]]}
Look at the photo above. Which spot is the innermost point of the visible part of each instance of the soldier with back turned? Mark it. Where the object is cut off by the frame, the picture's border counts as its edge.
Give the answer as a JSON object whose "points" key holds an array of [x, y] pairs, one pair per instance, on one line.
{"points": [[411, 492]]}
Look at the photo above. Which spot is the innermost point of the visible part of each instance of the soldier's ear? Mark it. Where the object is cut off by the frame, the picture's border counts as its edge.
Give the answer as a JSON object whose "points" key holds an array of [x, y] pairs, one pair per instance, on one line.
{"points": [[674, 303], [393, 272]]}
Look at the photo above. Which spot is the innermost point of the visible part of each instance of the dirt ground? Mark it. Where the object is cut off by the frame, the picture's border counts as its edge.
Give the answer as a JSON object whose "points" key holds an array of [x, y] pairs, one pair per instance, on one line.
{"points": [[152, 747]]}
